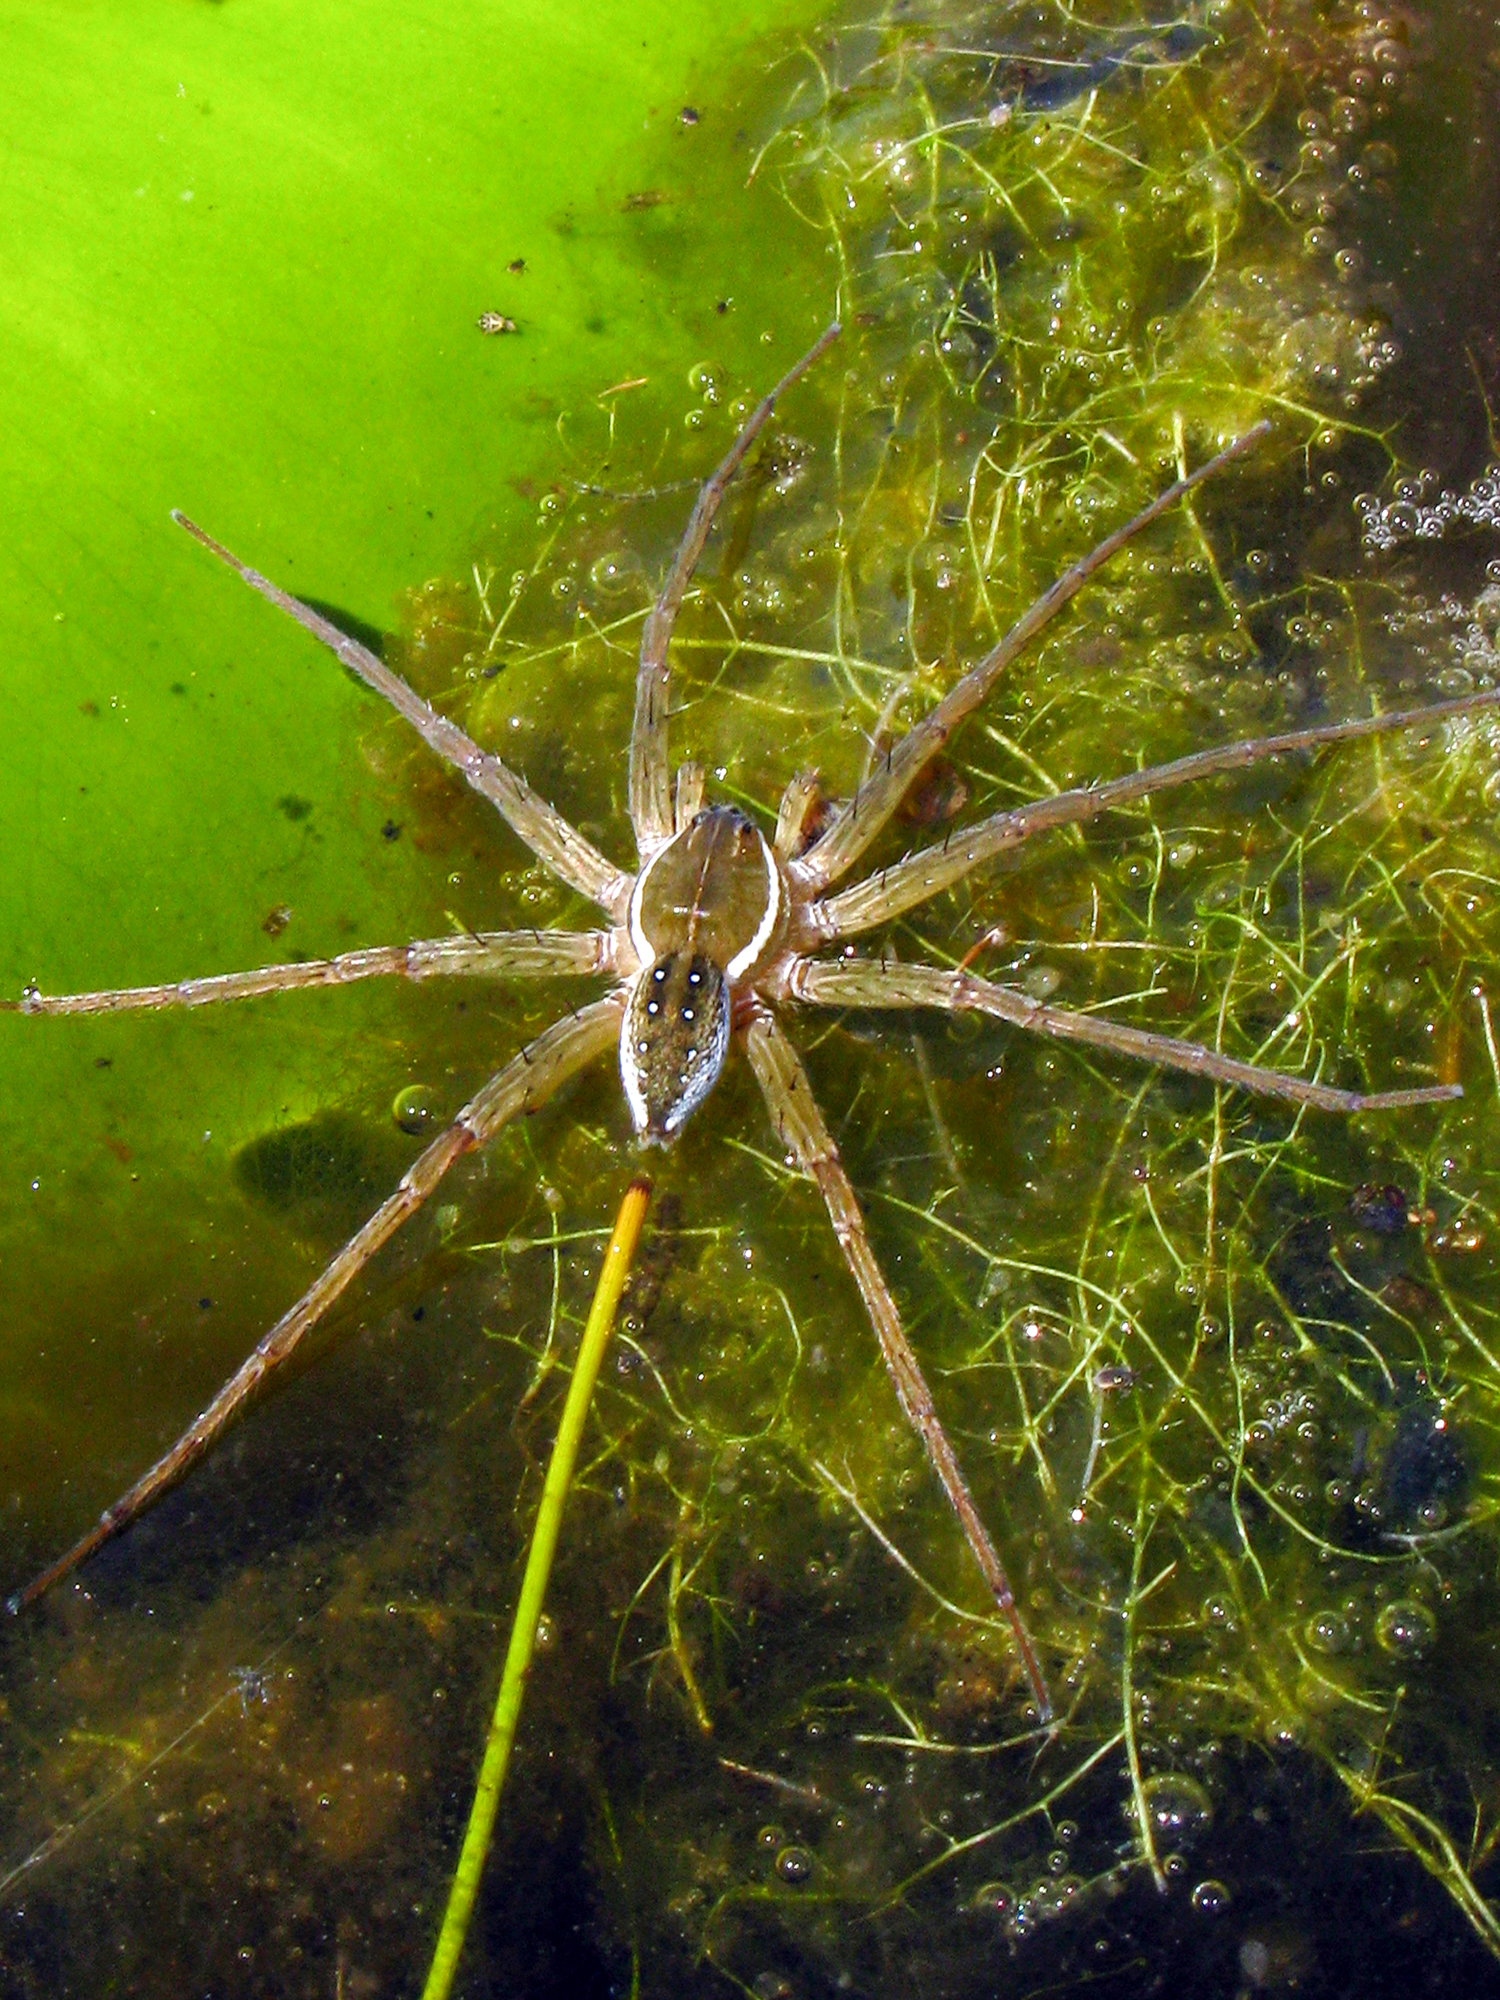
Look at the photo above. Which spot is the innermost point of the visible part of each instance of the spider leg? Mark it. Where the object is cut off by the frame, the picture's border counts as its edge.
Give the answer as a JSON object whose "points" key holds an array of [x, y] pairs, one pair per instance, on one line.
{"points": [[489, 954], [689, 796], [798, 1123], [551, 838], [522, 1086], [858, 823], [873, 982], [801, 803], [890, 891], [650, 790]]}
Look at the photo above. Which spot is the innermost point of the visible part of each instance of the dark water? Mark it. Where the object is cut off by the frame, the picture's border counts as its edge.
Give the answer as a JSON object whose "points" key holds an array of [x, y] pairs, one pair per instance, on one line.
{"points": [[1223, 1375]]}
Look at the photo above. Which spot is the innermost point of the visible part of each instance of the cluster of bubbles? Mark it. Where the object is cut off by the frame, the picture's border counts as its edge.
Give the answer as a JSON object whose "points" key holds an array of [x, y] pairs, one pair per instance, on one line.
{"points": [[1020, 1912], [1455, 641], [1405, 1630], [1419, 512], [1179, 1811]]}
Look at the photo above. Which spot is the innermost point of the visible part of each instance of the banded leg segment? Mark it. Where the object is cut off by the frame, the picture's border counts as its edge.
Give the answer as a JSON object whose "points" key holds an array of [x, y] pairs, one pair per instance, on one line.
{"points": [[798, 1123], [858, 823], [911, 881], [523, 1085], [483, 954], [551, 838], [650, 786], [874, 983]]}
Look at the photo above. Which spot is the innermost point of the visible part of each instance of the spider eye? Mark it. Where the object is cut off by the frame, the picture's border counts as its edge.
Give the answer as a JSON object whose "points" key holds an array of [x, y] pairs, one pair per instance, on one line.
{"points": [[673, 1042]]}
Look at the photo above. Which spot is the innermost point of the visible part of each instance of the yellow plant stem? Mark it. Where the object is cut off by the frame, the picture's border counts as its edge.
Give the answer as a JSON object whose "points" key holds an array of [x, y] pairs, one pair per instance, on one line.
{"points": [[523, 1632]]}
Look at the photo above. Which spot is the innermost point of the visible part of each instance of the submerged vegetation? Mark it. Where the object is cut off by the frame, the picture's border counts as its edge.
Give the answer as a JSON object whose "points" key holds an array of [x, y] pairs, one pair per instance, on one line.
{"points": [[1225, 1376]]}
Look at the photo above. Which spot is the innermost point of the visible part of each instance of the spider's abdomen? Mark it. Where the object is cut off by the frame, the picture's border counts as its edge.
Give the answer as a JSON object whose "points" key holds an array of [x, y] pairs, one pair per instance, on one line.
{"points": [[673, 1041], [716, 888]]}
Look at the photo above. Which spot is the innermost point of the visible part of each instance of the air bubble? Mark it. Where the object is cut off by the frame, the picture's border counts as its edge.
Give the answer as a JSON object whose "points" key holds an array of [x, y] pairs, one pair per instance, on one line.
{"points": [[1178, 1809], [995, 1899], [1405, 1630], [794, 1864], [609, 573], [416, 1109], [1348, 115], [1328, 1632], [1210, 1898]]}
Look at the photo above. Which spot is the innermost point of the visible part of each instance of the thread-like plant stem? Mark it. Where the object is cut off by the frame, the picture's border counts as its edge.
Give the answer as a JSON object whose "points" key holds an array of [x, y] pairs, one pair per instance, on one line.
{"points": [[617, 1261]]}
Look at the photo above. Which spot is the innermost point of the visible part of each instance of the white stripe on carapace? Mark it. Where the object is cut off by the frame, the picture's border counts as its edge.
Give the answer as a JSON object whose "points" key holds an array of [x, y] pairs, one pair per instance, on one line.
{"points": [[745, 958], [638, 937]]}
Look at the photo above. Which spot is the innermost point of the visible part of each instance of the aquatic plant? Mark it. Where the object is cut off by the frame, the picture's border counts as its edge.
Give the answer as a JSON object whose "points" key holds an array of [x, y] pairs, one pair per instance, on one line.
{"points": [[1226, 1374], [1237, 1373]]}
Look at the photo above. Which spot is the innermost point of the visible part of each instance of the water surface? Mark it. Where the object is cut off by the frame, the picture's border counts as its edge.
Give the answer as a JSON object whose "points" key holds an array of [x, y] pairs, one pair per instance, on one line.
{"points": [[1222, 1376]]}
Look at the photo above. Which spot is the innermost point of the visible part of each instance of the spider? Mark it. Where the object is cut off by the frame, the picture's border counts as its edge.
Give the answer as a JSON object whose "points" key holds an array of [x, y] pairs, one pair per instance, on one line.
{"points": [[715, 936]]}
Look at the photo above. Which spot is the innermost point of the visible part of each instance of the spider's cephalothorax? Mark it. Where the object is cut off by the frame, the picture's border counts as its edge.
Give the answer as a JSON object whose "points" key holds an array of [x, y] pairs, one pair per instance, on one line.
{"points": [[706, 910], [715, 935]]}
